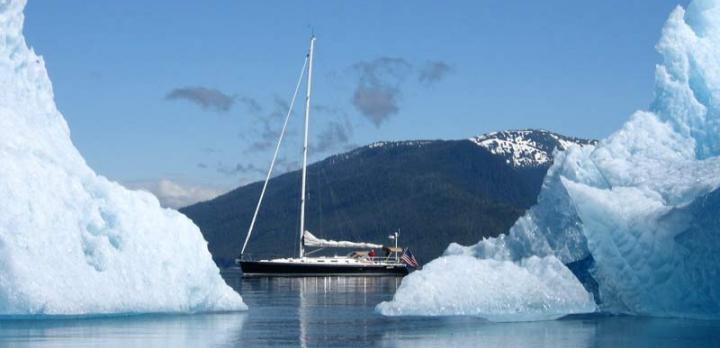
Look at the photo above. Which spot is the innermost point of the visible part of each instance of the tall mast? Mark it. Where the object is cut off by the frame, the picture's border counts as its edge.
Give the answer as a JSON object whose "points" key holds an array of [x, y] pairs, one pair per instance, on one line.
{"points": [[305, 145], [275, 155]]}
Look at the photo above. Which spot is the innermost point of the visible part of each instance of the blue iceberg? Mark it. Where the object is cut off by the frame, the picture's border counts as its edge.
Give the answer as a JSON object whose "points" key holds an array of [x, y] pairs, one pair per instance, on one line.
{"points": [[639, 213], [71, 241]]}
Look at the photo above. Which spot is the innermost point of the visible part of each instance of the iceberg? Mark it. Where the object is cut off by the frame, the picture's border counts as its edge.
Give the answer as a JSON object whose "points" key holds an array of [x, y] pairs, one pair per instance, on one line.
{"points": [[642, 205], [533, 289], [73, 242]]}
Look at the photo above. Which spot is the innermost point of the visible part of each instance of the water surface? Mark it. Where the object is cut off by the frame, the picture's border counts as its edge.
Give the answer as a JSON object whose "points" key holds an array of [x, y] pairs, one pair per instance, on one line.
{"points": [[336, 311]]}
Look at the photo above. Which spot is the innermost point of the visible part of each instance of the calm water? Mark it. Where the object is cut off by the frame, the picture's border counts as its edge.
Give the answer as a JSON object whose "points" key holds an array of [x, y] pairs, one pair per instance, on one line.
{"points": [[339, 312]]}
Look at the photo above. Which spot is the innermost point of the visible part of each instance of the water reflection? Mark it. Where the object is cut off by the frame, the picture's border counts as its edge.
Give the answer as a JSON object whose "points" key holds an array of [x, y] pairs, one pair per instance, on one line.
{"points": [[335, 311], [313, 311], [340, 312], [135, 331], [469, 332]]}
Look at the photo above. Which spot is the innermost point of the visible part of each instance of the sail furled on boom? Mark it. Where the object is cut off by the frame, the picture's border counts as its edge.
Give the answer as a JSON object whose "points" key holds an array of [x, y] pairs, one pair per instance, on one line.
{"points": [[311, 240]]}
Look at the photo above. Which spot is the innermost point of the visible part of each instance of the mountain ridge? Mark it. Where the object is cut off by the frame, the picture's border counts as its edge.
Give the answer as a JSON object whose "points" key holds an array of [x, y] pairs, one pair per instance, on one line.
{"points": [[434, 191]]}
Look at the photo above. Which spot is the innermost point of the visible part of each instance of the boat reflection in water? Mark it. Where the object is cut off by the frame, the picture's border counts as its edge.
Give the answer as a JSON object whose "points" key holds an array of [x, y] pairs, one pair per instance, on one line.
{"points": [[339, 312], [313, 311]]}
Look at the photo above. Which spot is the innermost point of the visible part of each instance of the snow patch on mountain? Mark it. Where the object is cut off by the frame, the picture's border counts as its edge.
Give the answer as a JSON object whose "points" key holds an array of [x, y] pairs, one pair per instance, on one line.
{"points": [[378, 146], [527, 147]]}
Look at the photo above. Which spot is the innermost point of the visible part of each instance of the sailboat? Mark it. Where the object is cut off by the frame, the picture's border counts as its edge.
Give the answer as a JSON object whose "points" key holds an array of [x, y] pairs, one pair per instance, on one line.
{"points": [[362, 261]]}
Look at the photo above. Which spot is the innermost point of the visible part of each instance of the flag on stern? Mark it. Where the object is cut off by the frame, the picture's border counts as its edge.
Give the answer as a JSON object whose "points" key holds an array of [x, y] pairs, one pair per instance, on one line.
{"points": [[408, 259]]}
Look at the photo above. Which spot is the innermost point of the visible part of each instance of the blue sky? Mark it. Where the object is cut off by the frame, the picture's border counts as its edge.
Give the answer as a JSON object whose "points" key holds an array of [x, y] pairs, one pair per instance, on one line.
{"points": [[385, 70]]}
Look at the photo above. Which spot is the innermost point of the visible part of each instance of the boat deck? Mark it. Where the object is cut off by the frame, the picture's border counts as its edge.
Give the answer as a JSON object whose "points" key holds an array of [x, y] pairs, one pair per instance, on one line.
{"points": [[323, 266]]}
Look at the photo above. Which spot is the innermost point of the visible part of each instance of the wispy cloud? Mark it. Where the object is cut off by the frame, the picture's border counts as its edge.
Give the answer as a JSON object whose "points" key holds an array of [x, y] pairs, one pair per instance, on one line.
{"points": [[379, 88], [207, 98], [238, 169], [174, 195], [333, 136], [433, 71], [376, 103], [270, 126], [285, 165], [336, 133], [253, 106], [210, 150], [250, 172], [377, 91]]}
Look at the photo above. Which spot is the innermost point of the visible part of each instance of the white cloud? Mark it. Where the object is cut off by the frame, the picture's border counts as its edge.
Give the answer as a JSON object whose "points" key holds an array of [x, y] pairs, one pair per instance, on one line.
{"points": [[175, 195]]}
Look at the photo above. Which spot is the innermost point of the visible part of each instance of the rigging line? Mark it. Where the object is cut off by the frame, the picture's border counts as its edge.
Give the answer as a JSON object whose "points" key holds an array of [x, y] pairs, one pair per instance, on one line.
{"points": [[277, 150]]}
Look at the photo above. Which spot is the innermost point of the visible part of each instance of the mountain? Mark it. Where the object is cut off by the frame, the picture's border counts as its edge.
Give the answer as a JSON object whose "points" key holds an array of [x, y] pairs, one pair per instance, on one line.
{"points": [[435, 192]]}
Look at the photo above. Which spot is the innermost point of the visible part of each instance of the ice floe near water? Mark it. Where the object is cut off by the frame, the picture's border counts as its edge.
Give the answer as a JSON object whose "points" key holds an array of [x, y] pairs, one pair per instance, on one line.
{"points": [[71, 241], [532, 289], [643, 205]]}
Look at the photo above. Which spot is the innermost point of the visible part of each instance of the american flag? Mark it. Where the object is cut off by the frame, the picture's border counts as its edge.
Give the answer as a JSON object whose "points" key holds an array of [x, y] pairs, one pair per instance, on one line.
{"points": [[408, 258]]}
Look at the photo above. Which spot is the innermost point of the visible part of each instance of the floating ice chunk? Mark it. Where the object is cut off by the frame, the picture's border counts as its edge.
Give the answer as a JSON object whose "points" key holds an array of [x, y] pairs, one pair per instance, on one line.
{"points": [[531, 289], [72, 242]]}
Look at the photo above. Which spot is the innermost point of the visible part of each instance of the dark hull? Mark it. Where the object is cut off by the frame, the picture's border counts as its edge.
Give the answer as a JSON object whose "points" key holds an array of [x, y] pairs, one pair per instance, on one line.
{"points": [[276, 269]]}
